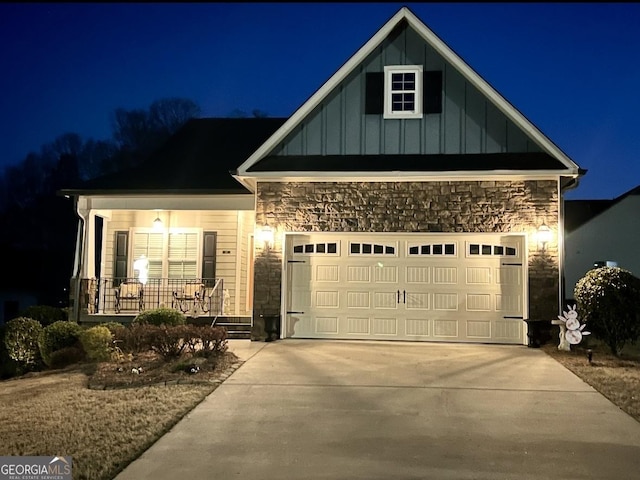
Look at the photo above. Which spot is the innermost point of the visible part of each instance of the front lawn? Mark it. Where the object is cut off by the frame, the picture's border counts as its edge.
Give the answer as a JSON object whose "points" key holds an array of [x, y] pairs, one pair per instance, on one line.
{"points": [[617, 378], [55, 413]]}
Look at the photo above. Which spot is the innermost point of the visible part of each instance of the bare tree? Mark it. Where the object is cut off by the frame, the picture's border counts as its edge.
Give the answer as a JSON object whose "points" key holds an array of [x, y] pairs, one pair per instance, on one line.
{"points": [[169, 114]]}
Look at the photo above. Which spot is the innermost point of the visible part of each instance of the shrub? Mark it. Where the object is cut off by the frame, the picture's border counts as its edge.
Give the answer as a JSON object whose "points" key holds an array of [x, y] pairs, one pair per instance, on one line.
{"points": [[8, 367], [21, 341], [45, 314], [66, 356], [97, 342], [133, 339], [113, 326], [608, 300], [214, 340], [161, 316], [168, 340], [57, 336]]}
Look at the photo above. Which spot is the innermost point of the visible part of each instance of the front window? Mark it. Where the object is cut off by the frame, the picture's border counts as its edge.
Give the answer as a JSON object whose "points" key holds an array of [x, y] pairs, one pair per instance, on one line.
{"points": [[170, 254], [403, 91]]}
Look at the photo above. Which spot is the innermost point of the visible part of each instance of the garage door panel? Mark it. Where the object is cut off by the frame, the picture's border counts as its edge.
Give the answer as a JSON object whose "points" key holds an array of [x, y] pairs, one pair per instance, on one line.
{"points": [[443, 328], [358, 325], [327, 299], [479, 329], [509, 275], [417, 301], [385, 326], [385, 300], [445, 275], [478, 275], [327, 273], [359, 300], [386, 274], [327, 325], [442, 293], [358, 274], [418, 327], [419, 275], [479, 302], [445, 301], [508, 303], [508, 330]]}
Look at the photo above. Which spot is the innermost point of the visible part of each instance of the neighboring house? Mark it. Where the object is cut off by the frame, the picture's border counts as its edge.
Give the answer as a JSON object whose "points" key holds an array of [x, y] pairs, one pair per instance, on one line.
{"points": [[600, 231], [402, 201]]}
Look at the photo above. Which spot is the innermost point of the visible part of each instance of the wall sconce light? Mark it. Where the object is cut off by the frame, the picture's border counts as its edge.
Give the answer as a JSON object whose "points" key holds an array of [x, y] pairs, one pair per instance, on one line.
{"points": [[265, 235], [544, 235], [157, 223]]}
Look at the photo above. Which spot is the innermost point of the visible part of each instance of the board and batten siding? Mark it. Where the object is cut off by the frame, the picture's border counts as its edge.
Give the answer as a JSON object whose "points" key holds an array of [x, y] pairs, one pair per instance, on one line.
{"points": [[469, 122], [225, 223]]}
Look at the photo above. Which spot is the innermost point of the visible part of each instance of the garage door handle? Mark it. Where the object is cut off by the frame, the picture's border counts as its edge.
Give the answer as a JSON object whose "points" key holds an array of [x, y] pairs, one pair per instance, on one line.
{"points": [[296, 261], [519, 318], [293, 312], [404, 296], [398, 296], [513, 264]]}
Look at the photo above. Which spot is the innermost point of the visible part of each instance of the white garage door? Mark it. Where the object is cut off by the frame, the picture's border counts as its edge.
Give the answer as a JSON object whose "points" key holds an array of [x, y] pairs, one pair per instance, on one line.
{"points": [[435, 287]]}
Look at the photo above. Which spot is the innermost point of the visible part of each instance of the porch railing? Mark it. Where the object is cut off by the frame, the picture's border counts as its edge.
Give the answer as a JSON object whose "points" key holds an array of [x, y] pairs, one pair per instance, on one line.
{"points": [[193, 296]]}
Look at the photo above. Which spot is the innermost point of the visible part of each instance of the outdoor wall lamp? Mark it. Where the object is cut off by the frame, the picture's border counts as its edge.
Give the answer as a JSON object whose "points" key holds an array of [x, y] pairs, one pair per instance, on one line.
{"points": [[543, 235], [265, 235], [157, 223]]}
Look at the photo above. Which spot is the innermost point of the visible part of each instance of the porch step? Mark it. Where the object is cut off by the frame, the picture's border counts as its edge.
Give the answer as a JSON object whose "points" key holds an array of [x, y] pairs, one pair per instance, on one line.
{"points": [[235, 329]]}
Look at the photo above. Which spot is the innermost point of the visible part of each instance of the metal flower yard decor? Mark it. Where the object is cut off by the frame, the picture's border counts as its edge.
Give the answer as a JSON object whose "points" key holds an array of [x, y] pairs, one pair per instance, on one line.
{"points": [[571, 330]]}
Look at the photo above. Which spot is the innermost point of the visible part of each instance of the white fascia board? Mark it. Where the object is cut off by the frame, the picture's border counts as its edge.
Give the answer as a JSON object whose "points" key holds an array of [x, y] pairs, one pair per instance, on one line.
{"points": [[322, 92], [409, 176], [168, 202], [430, 37]]}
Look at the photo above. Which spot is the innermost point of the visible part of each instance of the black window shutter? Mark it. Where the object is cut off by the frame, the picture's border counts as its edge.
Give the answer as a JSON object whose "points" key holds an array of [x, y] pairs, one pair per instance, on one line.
{"points": [[432, 90], [120, 258], [209, 259], [374, 93]]}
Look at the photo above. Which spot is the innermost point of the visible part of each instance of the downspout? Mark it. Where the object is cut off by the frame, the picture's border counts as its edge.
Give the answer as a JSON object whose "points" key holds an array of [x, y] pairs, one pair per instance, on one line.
{"points": [[570, 185], [77, 265]]}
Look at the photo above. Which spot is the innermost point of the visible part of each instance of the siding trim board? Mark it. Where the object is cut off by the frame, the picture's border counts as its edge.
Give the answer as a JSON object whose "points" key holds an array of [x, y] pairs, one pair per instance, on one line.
{"points": [[408, 163]]}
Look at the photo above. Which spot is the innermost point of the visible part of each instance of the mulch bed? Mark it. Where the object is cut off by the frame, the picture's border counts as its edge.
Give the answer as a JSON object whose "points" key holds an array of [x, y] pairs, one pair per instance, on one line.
{"points": [[149, 368]]}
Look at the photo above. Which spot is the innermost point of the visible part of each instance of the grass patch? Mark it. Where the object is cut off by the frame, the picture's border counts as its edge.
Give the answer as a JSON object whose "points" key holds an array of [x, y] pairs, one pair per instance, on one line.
{"points": [[55, 413], [617, 378]]}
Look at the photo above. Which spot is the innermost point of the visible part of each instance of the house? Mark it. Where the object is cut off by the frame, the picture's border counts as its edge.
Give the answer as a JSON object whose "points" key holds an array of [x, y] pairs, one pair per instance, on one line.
{"points": [[406, 199], [601, 231]]}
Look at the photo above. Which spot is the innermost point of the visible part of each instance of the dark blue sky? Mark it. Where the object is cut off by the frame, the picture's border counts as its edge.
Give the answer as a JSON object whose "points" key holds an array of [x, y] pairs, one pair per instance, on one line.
{"points": [[573, 69]]}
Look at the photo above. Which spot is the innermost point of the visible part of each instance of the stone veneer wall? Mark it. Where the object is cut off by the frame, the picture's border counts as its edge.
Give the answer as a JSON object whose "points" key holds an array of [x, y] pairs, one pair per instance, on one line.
{"points": [[444, 206]]}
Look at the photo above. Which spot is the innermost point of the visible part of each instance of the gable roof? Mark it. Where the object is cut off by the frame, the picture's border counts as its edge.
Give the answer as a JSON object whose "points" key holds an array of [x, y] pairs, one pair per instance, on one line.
{"points": [[195, 160], [246, 170], [579, 212]]}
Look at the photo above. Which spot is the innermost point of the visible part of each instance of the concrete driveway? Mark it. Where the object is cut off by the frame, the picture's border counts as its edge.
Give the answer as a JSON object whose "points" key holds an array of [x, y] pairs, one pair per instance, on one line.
{"points": [[380, 410]]}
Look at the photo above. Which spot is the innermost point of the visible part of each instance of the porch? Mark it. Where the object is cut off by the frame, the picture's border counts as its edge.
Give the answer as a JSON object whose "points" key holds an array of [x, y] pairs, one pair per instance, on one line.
{"points": [[126, 297]]}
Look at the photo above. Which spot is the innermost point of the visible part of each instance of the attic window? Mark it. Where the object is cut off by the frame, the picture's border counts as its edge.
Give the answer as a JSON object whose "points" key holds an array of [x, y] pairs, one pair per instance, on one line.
{"points": [[403, 91]]}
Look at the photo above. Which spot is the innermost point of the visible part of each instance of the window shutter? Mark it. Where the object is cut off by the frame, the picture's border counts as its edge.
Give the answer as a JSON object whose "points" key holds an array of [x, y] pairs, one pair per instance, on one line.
{"points": [[209, 258], [374, 93], [432, 89], [120, 258]]}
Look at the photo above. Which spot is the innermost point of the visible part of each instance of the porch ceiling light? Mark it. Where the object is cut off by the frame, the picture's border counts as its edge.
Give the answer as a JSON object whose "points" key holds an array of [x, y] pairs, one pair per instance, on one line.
{"points": [[544, 235]]}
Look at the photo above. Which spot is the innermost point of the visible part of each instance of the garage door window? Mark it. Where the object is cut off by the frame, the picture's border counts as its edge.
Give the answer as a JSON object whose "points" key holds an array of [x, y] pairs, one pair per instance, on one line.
{"points": [[499, 250], [448, 249], [356, 248], [330, 248]]}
